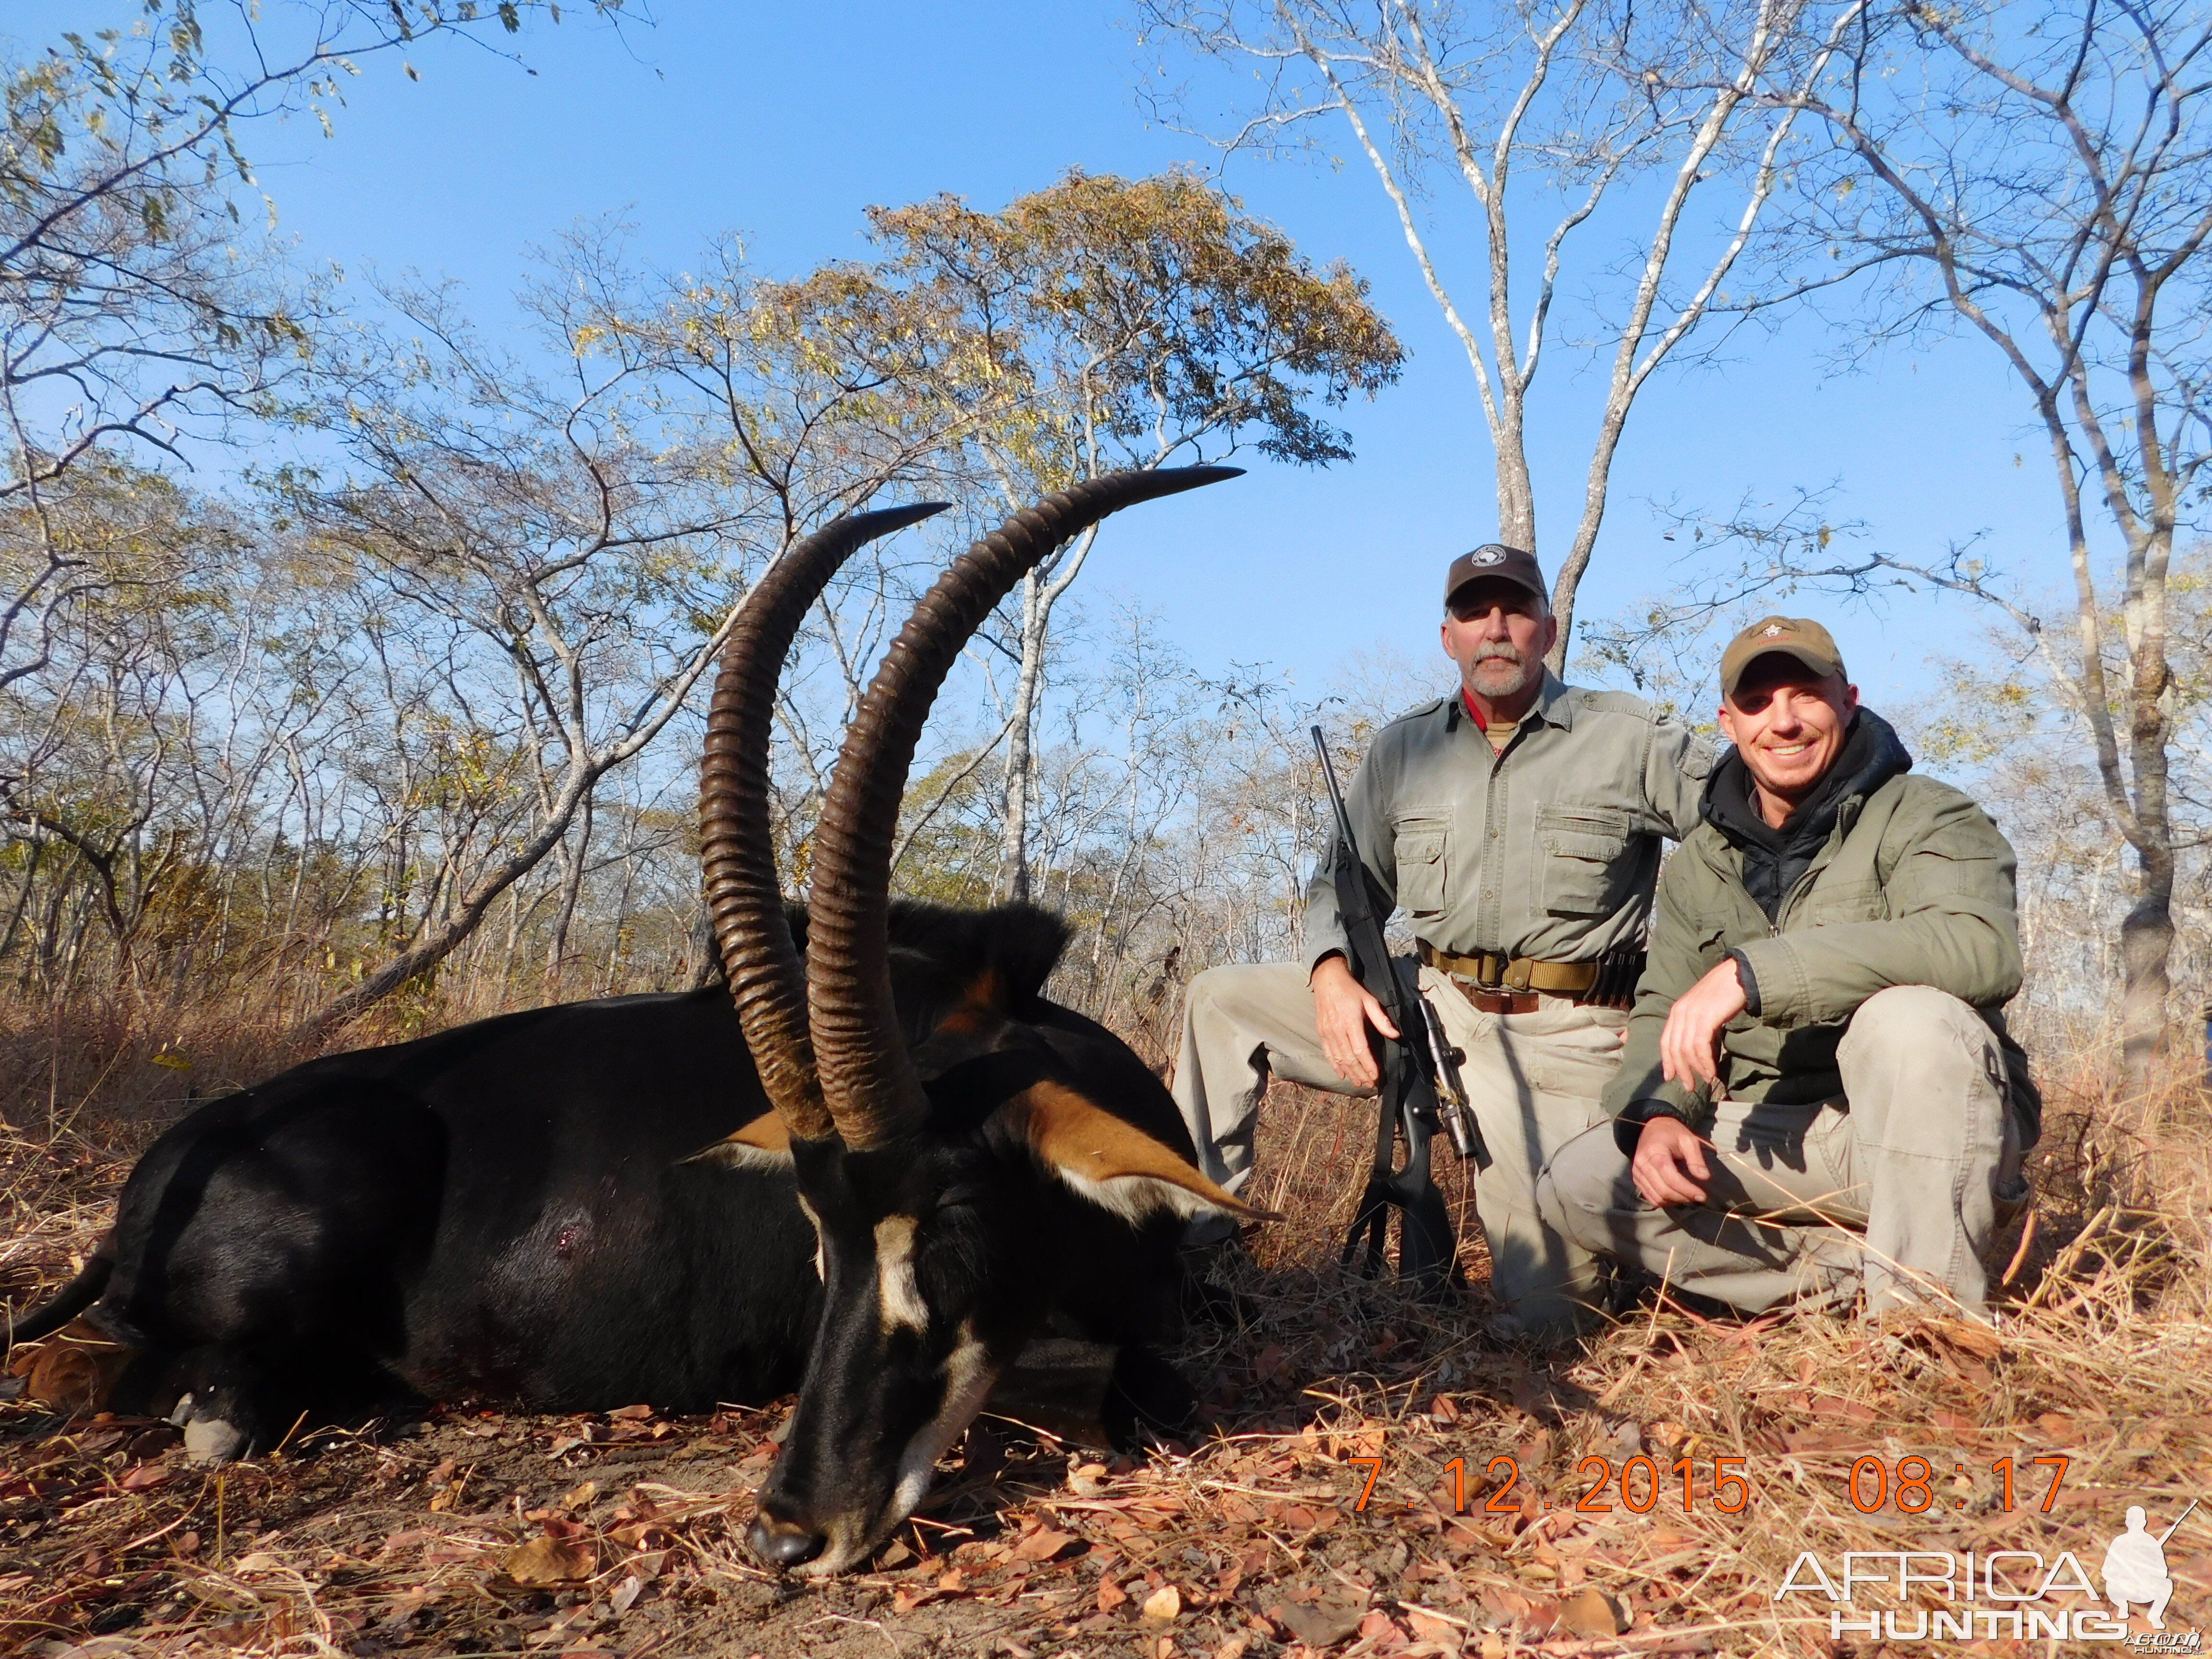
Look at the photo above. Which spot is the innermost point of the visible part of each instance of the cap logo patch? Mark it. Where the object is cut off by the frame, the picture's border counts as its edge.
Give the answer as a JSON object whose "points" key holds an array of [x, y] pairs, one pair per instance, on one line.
{"points": [[1487, 555], [1772, 630]]}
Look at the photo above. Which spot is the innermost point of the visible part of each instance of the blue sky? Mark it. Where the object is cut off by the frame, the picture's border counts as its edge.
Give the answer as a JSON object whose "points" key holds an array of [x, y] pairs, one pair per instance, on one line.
{"points": [[782, 122]]}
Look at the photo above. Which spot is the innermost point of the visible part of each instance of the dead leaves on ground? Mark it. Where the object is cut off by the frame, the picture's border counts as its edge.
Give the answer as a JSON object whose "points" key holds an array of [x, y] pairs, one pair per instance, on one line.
{"points": [[548, 1561], [628, 1530], [1250, 1538], [73, 1371], [1256, 1537], [128, 1538]]}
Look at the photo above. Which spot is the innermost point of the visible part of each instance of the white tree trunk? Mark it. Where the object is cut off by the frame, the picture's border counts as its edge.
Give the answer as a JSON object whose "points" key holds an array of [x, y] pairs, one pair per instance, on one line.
{"points": [[1013, 882]]}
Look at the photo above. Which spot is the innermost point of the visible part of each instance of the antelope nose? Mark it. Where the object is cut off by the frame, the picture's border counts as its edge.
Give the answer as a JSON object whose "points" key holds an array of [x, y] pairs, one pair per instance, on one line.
{"points": [[783, 1544]]}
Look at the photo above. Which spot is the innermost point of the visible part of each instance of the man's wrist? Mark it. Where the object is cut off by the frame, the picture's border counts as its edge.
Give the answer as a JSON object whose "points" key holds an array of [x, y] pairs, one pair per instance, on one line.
{"points": [[1748, 979], [1322, 960], [1628, 1127]]}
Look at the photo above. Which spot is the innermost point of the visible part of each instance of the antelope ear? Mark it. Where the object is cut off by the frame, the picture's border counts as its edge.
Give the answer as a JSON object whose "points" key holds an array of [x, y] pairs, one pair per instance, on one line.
{"points": [[1116, 1166], [762, 1144]]}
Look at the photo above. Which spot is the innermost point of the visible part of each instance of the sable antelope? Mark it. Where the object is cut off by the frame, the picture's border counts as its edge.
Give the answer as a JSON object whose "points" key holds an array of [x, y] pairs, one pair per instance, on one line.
{"points": [[519, 1207], [1005, 1170]]}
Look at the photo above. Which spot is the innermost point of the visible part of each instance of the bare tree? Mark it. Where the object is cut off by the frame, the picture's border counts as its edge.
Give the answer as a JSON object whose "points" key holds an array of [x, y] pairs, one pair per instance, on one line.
{"points": [[524, 524], [139, 312], [2040, 178], [1999, 723], [577, 543], [1549, 114]]}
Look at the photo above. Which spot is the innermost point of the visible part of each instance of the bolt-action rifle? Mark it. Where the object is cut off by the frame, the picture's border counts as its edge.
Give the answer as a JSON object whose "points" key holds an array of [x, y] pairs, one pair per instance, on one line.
{"points": [[1420, 1090]]}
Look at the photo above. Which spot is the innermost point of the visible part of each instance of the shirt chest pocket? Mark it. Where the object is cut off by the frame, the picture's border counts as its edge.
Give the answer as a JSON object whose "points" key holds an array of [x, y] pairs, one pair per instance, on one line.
{"points": [[1582, 851], [1423, 850], [1832, 903]]}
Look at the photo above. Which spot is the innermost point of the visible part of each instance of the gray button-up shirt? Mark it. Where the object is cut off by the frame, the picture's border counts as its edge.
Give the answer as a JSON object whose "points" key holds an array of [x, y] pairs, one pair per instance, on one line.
{"points": [[1548, 849]]}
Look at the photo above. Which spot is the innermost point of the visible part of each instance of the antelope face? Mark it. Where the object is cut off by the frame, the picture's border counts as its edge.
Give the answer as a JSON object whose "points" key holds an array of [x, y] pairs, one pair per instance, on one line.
{"points": [[932, 1276], [943, 1251]]}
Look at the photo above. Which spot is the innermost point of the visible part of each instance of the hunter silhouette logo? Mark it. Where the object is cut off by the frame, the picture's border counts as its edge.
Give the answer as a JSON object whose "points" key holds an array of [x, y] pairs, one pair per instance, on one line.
{"points": [[1984, 1595], [2135, 1567]]}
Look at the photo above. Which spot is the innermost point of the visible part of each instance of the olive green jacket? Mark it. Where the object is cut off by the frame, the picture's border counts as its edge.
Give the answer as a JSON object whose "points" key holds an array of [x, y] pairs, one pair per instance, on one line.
{"points": [[1913, 887]]}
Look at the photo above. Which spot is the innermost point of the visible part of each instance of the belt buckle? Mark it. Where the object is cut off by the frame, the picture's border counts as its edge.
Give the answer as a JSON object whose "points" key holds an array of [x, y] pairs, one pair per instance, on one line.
{"points": [[1498, 999]]}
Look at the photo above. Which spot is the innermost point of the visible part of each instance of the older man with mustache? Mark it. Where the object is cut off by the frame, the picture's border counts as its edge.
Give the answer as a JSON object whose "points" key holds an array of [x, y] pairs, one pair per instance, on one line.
{"points": [[1517, 823], [1820, 1100]]}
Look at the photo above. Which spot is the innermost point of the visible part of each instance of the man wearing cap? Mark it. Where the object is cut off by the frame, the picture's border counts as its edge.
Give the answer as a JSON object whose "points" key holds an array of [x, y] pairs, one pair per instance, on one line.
{"points": [[1819, 1098], [1518, 822]]}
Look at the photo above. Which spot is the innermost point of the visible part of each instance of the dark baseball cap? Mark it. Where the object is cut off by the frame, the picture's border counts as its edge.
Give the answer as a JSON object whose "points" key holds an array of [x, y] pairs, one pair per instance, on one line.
{"points": [[1496, 559], [1793, 636]]}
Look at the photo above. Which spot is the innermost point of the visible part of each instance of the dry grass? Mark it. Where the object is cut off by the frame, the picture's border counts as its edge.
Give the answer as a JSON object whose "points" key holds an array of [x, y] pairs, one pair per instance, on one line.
{"points": [[408, 1543]]}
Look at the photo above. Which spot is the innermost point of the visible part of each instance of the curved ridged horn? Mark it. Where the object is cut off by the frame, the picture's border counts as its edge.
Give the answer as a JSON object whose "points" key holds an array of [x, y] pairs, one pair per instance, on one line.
{"points": [[768, 982], [868, 1081]]}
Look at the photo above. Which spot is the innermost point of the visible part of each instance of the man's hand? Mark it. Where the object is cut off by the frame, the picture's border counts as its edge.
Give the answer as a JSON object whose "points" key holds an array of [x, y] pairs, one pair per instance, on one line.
{"points": [[1689, 1047], [1669, 1162], [1344, 1010]]}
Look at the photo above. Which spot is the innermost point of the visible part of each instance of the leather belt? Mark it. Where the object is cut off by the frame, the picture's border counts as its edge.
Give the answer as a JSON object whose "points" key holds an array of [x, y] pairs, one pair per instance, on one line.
{"points": [[1508, 984], [1497, 1002]]}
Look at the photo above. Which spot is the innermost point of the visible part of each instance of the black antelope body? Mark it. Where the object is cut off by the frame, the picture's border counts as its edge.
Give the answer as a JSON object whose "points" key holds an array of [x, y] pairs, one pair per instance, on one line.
{"points": [[914, 1161]]}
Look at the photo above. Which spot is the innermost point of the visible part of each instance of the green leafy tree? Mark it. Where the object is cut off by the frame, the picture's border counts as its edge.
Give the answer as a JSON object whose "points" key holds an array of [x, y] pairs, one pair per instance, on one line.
{"points": [[1121, 323]]}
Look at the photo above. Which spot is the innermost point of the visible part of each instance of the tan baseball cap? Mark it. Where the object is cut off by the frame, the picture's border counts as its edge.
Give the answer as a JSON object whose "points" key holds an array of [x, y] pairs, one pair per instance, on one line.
{"points": [[1496, 559], [1793, 636]]}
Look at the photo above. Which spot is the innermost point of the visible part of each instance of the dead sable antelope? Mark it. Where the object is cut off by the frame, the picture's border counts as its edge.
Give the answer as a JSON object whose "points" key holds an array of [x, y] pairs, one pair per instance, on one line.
{"points": [[1009, 1169], [914, 1161]]}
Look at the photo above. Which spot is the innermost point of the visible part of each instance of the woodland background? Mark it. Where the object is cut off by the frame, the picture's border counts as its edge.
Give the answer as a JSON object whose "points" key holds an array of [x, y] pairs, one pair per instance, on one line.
{"points": [[350, 652]]}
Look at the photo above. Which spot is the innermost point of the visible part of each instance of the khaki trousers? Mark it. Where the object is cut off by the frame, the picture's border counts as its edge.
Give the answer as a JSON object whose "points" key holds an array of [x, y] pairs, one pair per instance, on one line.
{"points": [[1534, 1080], [1895, 1190]]}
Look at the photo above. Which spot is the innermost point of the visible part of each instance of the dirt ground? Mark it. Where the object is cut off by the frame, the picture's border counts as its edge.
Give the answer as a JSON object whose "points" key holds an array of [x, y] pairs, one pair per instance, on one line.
{"points": [[1351, 1499]]}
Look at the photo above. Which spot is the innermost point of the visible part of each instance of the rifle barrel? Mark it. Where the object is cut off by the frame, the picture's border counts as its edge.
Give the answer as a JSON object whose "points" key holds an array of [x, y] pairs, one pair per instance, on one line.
{"points": [[1335, 795], [2178, 1520]]}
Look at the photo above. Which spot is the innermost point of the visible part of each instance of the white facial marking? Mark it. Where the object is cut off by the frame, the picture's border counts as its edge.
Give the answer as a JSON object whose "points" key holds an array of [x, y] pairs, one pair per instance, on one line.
{"points": [[1136, 1198], [820, 1272], [898, 1296], [968, 1379]]}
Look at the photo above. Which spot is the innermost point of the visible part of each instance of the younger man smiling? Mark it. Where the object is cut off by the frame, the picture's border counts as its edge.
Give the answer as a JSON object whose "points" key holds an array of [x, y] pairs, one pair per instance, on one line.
{"points": [[1817, 1098]]}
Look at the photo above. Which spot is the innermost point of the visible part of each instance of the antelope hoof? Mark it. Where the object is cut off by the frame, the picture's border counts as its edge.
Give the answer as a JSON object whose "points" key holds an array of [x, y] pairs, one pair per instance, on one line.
{"points": [[211, 1440]]}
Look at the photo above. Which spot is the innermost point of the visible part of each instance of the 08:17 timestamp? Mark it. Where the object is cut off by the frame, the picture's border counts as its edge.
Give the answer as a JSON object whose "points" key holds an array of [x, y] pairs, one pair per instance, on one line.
{"points": [[1910, 1483]]}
